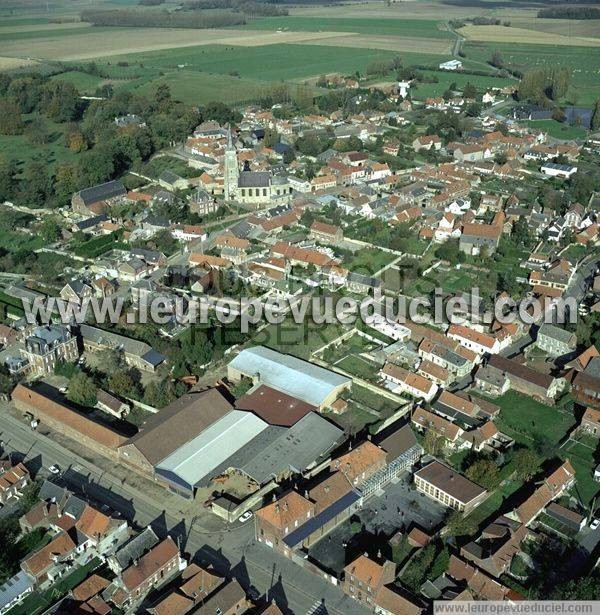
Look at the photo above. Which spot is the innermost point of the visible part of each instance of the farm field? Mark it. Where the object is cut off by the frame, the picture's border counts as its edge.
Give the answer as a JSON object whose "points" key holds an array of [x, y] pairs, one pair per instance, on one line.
{"points": [[267, 63], [85, 83], [423, 28], [584, 62], [80, 45], [564, 27], [501, 34]]}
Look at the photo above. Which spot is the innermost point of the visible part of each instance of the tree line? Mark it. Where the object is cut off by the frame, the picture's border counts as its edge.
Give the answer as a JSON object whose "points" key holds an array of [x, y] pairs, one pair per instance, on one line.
{"points": [[570, 12], [544, 86], [161, 19]]}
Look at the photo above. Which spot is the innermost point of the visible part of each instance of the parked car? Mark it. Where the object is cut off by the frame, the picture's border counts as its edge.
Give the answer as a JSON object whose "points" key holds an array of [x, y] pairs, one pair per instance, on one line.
{"points": [[595, 524], [54, 469], [245, 517]]}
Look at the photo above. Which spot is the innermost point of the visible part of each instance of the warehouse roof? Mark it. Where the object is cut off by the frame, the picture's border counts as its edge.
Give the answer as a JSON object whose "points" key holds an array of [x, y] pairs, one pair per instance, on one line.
{"points": [[101, 192], [273, 406], [181, 421], [201, 455], [310, 383], [298, 447]]}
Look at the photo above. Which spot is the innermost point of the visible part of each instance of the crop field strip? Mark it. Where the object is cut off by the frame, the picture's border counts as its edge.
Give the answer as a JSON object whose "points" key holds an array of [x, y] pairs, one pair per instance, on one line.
{"points": [[501, 34]]}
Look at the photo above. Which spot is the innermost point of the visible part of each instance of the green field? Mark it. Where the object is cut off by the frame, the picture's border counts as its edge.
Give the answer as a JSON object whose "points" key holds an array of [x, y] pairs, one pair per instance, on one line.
{"points": [[425, 28], [268, 62], [525, 419], [421, 91], [558, 130], [584, 61], [196, 88], [85, 83], [20, 148]]}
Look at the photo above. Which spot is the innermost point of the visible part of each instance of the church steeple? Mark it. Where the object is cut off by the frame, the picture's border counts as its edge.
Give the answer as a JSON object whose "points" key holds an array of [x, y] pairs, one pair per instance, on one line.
{"points": [[230, 168]]}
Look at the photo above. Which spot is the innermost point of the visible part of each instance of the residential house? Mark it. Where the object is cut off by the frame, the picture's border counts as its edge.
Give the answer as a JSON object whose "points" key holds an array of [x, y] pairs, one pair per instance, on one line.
{"points": [[326, 233], [403, 381], [12, 482], [590, 422], [364, 578], [48, 346], [427, 142], [527, 380], [495, 548], [424, 421], [480, 343], [554, 341], [360, 463]]}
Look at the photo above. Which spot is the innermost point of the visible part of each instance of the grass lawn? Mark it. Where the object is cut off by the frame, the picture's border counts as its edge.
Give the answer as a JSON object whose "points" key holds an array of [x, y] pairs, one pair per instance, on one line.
{"points": [[20, 148], [524, 419], [300, 340], [420, 91], [18, 240], [353, 420], [192, 87], [97, 246], [425, 28], [581, 457], [358, 366], [575, 252], [85, 83], [368, 261], [558, 130], [372, 400]]}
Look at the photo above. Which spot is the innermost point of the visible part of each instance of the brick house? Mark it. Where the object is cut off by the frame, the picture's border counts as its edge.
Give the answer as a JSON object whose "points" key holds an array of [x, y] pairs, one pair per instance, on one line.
{"points": [[12, 482]]}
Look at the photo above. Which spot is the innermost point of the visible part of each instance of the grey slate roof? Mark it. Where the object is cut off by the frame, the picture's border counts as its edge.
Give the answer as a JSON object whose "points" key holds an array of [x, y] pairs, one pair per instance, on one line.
{"points": [[15, 587], [136, 547], [101, 192], [254, 179], [302, 444]]}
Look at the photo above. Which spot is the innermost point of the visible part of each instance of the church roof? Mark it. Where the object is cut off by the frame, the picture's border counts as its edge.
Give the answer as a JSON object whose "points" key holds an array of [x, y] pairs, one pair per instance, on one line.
{"points": [[254, 179]]}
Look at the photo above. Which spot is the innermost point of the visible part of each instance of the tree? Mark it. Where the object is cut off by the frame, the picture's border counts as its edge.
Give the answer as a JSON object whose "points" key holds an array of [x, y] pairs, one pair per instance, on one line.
{"points": [[595, 118], [271, 137], [82, 390], [162, 98], [50, 230], [37, 131], [8, 181], [469, 91], [124, 383], [433, 443], [159, 394], [484, 472], [60, 101], [584, 588], [525, 463], [496, 59], [458, 525], [10, 118], [36, 186]]}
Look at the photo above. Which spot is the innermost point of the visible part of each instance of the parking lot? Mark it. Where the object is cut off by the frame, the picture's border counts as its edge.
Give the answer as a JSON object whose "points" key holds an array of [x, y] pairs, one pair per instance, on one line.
{"points": [[398, 507]]}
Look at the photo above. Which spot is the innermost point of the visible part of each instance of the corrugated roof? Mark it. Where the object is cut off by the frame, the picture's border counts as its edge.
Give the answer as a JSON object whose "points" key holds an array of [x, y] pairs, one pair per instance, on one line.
{"points": [[198, 457], [181, 421], [300, 379]]}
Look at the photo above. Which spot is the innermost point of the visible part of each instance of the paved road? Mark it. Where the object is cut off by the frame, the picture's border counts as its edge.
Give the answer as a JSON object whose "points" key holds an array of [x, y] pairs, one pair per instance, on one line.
{"points": [[232, 550]]}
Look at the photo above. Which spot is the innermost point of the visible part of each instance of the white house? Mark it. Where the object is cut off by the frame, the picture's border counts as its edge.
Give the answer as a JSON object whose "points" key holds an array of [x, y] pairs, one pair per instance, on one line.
{"points": [[451, 65]]}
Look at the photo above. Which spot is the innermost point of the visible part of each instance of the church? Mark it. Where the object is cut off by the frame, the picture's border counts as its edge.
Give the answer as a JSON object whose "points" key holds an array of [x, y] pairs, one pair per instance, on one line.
{"points": [[256, 188]]}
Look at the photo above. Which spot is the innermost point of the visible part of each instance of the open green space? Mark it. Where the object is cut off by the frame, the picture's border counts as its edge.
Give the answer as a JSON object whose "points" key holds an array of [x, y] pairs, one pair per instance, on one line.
{"points": [[584, 62], [420, 91], [425, 28], [558, 130], [83, 82], [525, 419], [20, 148], [197, 88], [267, 62], [582, 458], [357, 366]]}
